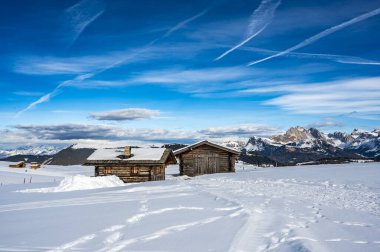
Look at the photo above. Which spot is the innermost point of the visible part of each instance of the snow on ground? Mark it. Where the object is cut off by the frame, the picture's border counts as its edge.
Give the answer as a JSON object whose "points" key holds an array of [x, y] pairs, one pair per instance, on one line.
{"points": [[80, 182], [48, 173], [304, 208]]}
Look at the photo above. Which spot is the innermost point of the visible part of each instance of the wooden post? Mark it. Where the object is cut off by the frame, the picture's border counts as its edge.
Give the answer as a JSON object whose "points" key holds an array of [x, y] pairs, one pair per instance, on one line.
{"points": [[164, 168], [231, 163], [180, 165]]}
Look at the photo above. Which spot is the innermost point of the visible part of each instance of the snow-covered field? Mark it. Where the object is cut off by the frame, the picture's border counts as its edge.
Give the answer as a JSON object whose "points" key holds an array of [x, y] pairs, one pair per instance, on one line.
{"points": [[306, 208]]}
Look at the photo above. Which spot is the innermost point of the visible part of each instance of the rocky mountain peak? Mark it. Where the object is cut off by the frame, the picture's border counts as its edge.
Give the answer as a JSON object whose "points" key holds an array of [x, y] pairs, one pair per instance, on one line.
{"points": [[341, 136], [317, 134], [361, 134], [299, 145], [255, 144], [235, 144], [356, 132], [293, 134]]}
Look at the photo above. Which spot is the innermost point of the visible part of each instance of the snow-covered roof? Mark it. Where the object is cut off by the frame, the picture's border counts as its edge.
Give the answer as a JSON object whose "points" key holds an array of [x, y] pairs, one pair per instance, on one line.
{"points": [[189, 147], [106, 154], [138, 154]]}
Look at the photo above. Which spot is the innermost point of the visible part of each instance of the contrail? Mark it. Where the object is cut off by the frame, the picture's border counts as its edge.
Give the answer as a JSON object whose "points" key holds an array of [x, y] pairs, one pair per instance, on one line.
{"points": [[258, 21], [77, 17], [41, 100], [240, 44], [321, 35], [344, 59], [82, 77], [185, 22], [355, 62], [47, 97]]}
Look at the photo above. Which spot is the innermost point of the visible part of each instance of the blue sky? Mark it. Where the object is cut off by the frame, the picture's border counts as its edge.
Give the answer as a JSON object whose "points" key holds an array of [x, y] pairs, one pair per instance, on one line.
{"points": [[179, 71]]}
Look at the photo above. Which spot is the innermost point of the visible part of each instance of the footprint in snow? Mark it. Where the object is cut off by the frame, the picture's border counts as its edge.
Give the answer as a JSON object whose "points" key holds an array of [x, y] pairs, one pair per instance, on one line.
{"points": [[144, 206], [335, 240], [360, 242], [72, 244], [359, 224], [113, 228], [113, 238]]}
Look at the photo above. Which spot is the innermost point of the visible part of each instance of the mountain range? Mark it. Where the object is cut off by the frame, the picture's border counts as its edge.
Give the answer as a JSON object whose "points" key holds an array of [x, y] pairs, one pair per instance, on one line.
{"points": [[39, 150], [299, 145], [296, 146]]}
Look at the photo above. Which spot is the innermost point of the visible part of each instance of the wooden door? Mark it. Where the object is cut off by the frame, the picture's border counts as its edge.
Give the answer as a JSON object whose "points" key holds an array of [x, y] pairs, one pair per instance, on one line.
{"points": [[212, 164], [152, 174], [200, 164], [206, 164]]}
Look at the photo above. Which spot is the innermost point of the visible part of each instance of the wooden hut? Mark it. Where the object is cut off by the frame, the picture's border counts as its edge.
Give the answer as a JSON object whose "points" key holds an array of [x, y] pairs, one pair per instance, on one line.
{"points": [[132, 165], [34, 165], [20, 164], [204, 158]]}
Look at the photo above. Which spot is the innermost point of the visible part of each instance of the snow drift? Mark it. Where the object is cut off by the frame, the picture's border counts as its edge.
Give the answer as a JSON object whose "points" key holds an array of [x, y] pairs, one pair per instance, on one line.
{"points": [[80, 182]]}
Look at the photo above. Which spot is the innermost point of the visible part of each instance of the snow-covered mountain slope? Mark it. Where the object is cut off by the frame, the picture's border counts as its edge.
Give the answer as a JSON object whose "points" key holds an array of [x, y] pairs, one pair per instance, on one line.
{"points": [[234, 144], [313, 208], [30, 150], [298, 145], [73, 155], [365, 143]]}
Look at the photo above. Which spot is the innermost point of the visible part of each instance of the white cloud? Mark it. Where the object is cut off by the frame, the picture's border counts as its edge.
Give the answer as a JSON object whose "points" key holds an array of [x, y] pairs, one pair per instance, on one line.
{"points": [[27, 93], [326, 123], [89, 65], [129, 114], [74, 133], [337, 97], [178, 76], [196, 81], [207, 81], [246, 130], [47, 65], [50, 65]]}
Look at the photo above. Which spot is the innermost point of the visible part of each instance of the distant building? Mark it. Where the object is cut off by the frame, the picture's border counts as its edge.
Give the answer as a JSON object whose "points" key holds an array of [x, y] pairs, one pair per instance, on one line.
{"points": [[132, 165], [20, 164], [35, 165], [205, 158]]}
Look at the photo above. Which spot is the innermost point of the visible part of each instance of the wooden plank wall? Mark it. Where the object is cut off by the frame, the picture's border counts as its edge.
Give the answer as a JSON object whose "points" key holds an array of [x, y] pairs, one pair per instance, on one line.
{"points": [[133, 173], [205, 160]]}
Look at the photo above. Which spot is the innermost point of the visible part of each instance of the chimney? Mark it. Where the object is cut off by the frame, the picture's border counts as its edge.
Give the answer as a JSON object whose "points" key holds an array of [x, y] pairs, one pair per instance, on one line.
{"points": [[127, 152]]}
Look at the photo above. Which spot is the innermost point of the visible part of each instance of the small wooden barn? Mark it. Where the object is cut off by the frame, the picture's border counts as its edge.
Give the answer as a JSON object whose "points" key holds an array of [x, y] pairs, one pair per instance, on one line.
{"points": [[204, 158], [20, 164], [34, 165], [132, 165]]}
